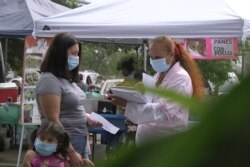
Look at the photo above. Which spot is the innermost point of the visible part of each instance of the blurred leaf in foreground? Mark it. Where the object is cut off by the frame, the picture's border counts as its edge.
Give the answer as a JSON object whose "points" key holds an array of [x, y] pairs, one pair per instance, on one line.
{"points": [[222, 138]]}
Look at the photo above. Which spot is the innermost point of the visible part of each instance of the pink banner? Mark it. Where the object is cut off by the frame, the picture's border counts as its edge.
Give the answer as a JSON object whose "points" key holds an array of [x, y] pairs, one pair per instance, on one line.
{"points": [[212, 48]]}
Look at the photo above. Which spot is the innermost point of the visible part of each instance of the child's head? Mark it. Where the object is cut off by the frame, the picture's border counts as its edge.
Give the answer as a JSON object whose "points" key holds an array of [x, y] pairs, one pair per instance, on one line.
{"points": [[51, 138]]}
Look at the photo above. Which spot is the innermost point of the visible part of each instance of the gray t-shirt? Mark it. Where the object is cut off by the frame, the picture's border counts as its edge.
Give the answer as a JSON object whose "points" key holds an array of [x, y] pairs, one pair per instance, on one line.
{"points": [[72, 113]]}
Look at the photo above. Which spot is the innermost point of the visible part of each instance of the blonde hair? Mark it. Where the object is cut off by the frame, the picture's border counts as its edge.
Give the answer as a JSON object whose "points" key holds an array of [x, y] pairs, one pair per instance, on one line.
{"points": [[180, 54]]}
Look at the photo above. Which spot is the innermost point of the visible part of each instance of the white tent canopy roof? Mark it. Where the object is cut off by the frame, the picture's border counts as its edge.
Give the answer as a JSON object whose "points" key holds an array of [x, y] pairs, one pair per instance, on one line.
{"points": [[132, 21], [17, 16], [241, 7]]}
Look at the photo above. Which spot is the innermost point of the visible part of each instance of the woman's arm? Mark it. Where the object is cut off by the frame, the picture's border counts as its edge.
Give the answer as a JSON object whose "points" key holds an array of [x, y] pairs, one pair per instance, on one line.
{"points": [[162, 108], [143, 113], [50, 105]]}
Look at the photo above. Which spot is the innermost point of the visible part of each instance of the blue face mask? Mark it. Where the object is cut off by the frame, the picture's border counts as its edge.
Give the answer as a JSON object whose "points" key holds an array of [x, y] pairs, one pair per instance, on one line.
{"points": [[43, 148], [73, 62], [159, 65]]}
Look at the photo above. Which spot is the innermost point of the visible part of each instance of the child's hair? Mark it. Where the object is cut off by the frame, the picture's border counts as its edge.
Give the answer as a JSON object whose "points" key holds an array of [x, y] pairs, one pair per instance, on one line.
{"points": [[56, 130]]}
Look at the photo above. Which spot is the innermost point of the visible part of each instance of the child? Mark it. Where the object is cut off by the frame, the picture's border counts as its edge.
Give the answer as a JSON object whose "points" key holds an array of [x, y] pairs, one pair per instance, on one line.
{"points": [[51, 143]]}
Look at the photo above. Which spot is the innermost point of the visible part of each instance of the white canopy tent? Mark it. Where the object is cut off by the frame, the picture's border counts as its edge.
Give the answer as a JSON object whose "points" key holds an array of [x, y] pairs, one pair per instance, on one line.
{"points": [[241, 7], [132, 21], [17, 16]]}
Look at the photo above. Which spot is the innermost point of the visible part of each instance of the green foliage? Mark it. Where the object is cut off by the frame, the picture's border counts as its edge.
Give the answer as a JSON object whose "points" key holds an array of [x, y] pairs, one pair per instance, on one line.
{"points": [[126, 57], [215, 70], [221, 138], [103, 58], [15, 54], [98, 58], [243, 46], [68, 3]]}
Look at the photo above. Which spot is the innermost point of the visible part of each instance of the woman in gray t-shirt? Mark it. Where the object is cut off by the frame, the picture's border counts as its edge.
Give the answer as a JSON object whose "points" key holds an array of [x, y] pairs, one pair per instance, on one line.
{"points": [[58, 97]]}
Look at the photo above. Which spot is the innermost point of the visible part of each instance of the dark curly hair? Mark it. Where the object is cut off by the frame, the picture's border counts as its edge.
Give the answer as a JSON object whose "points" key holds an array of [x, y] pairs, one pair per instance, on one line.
{"points": [[126, 63]]}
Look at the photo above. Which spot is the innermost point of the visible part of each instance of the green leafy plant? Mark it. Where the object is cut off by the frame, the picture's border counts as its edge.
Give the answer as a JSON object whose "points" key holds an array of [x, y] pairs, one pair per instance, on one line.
{"points": [[216, 71], [221, 138], [68, 3]]}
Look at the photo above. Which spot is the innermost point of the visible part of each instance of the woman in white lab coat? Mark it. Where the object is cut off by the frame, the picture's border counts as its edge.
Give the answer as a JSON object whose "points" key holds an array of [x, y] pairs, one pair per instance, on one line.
{"points": [[175, 70]]}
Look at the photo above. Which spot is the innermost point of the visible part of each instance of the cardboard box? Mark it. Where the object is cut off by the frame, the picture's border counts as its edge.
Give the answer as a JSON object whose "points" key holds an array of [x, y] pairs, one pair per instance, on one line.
{"points": [[8, 92]]}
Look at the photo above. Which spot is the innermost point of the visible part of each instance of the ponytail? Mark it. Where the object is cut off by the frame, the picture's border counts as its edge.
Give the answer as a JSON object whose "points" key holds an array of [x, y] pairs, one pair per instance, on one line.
{"points": [[63, 144], [192, 68]]}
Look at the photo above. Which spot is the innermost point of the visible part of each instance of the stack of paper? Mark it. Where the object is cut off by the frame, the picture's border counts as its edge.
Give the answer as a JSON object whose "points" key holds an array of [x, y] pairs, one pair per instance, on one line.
{"points": [[129, 94]]}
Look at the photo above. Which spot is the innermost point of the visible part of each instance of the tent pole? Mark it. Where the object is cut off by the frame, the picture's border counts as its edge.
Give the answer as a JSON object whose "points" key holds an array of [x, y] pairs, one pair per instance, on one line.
{"points": [[2, 70], [145, 55], [6, 51], [20, 147], [246, 59], [243, 59]]}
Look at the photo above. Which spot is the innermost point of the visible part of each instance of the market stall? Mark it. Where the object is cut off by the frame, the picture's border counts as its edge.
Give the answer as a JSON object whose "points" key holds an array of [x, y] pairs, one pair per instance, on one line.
{"points": [[135, 21]]}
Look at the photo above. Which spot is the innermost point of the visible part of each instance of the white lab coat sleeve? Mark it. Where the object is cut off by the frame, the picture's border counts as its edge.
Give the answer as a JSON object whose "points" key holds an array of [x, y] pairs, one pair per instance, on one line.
{"points": [[143, 113], [163, 108]]}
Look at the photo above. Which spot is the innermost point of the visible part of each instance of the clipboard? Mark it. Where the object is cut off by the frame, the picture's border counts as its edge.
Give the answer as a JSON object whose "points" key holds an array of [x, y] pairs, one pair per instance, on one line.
{"points": [[129, 94]]}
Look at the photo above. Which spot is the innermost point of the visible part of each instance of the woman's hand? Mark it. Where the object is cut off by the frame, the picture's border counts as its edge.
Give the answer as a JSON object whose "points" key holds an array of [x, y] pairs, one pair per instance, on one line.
{"points": [[118, 101], [75, 159], [93, 123]]}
